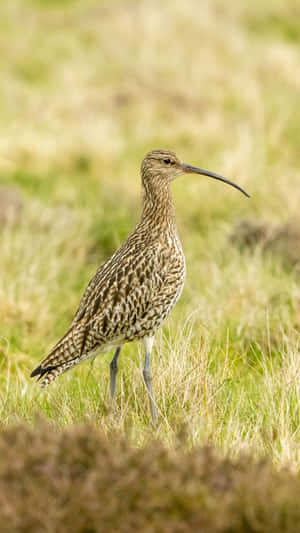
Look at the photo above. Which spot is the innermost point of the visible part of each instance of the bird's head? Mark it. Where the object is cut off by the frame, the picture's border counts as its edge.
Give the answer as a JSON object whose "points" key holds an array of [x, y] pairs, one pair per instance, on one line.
{"points": [[164, 164], [161, 163]]}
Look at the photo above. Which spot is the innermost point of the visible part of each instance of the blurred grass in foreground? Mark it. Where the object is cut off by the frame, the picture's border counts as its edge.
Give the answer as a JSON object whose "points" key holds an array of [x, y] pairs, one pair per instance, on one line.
{"points": [[110, 486], [87, 88]]}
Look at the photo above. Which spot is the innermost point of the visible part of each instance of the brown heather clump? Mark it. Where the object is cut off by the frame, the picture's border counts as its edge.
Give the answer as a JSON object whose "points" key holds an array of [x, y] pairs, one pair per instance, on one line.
{"points": [[11, 205], [282, 240], [78, 480]]}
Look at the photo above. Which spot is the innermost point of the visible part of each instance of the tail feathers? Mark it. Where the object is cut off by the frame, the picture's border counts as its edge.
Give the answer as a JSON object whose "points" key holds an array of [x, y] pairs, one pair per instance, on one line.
{"points": [[49, 372], [62, 357], [40, 371]]}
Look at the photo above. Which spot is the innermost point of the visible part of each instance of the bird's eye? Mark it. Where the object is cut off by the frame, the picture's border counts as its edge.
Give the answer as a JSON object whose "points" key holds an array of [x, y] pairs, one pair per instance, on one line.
{"points": [[167, 161]]}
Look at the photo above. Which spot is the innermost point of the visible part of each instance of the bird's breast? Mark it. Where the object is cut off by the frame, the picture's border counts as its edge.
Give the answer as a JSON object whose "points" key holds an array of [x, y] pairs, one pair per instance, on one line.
{"points": [[160, 290]]}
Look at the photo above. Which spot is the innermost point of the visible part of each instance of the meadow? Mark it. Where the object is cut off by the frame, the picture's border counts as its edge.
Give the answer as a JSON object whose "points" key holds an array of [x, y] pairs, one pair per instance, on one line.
{"points": [[87, 88]]}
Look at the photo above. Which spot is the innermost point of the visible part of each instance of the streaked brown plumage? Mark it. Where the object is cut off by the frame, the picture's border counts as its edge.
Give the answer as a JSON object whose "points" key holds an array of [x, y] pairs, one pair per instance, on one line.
{"points": [[133, 292]]}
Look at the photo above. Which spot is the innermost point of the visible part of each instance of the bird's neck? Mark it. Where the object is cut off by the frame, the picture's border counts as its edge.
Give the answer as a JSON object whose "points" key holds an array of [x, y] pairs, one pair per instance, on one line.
{"points": [[157, 205]]}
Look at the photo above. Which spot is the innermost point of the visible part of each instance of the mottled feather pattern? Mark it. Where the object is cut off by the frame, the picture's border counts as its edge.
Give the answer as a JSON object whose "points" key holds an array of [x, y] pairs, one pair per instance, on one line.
{"points": [[133, 292]]}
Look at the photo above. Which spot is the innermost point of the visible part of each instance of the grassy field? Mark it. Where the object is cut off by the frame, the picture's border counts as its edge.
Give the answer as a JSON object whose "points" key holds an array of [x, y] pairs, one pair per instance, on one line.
{"points": [[88, 87]]}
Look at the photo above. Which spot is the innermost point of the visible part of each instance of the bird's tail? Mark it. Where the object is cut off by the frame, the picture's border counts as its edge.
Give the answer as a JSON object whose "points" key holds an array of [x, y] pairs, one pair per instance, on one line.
{"points": [[63, 356]]}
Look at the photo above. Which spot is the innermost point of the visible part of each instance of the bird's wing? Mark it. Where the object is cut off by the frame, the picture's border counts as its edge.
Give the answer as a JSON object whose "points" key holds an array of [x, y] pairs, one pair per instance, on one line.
{"points": [[120, 294], [116, 299]]}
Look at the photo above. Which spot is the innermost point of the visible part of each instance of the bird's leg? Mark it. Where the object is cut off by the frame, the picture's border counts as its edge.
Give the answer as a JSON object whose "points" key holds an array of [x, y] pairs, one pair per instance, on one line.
{"points": [[148, 343], [113, 376]]}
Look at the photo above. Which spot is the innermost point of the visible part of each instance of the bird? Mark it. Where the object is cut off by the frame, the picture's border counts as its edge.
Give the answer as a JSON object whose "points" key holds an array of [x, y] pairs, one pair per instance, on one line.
{"points": [[133, 292]]}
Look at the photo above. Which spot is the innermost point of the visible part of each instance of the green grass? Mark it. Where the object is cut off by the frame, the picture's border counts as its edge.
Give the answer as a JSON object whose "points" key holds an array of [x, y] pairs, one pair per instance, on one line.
{"points": [[88, 89]]}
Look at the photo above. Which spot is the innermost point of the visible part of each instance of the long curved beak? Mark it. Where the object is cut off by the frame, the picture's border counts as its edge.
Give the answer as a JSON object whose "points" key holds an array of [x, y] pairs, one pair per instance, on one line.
{"points": [[195, 170]]}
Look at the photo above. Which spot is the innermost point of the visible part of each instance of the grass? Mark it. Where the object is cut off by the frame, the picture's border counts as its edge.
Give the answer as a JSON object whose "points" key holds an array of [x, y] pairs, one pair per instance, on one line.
{"points": [[88, 88]]}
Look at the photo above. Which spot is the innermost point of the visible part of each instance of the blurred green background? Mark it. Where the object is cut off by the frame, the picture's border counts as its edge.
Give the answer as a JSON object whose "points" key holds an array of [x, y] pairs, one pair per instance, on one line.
{"points": [[87, 88]]}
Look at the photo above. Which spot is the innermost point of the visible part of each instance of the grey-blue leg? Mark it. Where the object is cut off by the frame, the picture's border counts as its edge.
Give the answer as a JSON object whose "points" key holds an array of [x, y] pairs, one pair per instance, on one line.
{"points": [[148, 343], [113, 376]]}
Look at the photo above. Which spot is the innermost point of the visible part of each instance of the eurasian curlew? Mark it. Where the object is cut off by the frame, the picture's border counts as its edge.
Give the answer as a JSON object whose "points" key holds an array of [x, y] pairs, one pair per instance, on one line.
{"points": [[133, 292]]}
